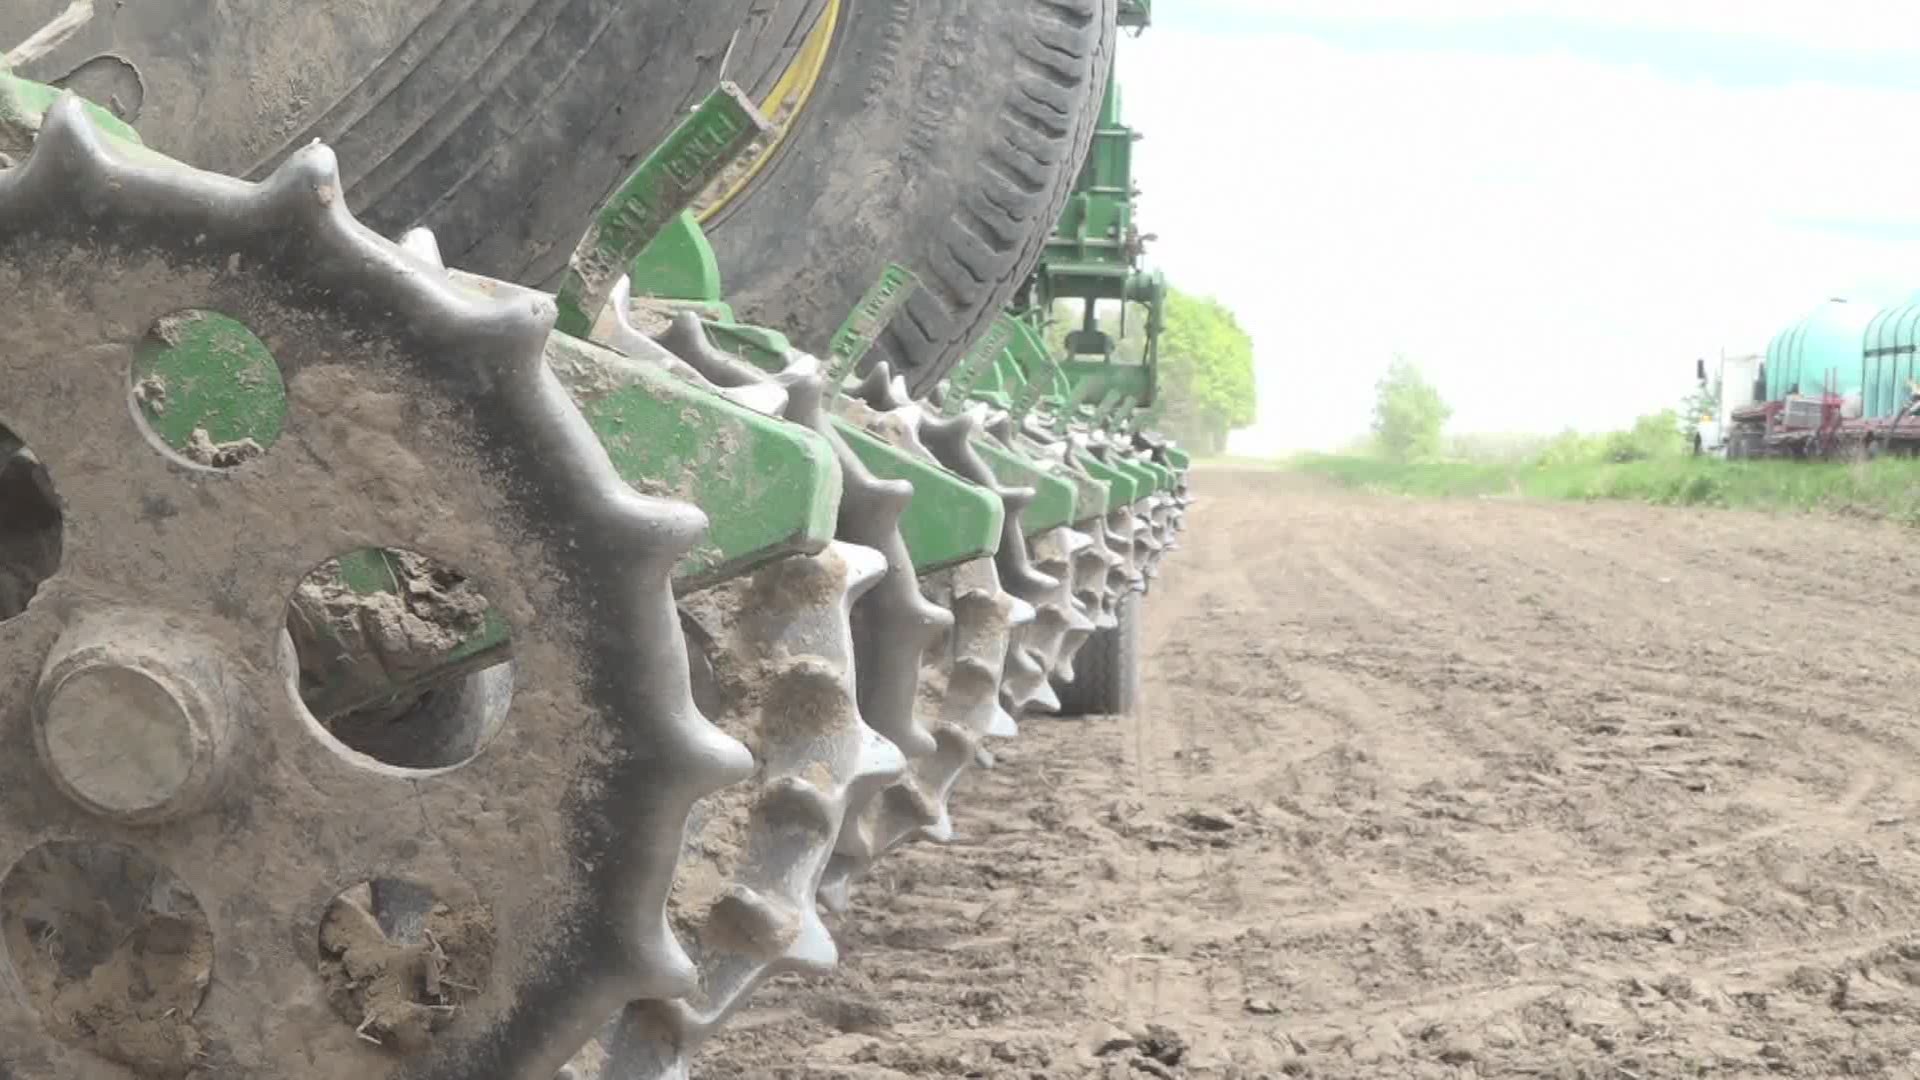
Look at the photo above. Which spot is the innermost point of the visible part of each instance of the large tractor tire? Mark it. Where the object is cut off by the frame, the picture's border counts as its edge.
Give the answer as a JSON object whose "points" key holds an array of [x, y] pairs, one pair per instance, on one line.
{"points": [[1106, 673], [501, 124], [943, 135]]}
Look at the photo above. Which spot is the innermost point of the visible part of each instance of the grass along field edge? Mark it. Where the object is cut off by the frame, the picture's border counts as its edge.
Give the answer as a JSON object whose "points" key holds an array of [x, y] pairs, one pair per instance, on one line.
{"points": [[1886, 488]]}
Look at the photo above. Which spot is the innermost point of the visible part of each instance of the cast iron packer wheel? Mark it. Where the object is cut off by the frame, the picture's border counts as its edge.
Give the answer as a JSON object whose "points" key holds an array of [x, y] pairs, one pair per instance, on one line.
{"points": [[944, 135], [500, 124], [295, 908], [1106, 674]]}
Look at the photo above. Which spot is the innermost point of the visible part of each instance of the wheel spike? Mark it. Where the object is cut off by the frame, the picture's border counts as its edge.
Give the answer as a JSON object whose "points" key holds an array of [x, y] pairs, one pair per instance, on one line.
{"points": [[617, 331]]}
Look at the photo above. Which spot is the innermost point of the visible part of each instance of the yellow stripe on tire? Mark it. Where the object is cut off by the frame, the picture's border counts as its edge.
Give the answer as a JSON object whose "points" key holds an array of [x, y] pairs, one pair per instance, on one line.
{"points": [[782, 105]]}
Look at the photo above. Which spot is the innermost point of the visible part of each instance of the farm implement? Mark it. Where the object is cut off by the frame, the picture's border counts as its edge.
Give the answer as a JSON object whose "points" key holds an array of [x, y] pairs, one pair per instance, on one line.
{"points": [[1838, 383], [445, 637]]}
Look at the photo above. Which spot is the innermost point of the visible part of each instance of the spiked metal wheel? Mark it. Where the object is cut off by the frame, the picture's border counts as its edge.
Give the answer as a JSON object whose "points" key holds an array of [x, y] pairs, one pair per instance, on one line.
{"points": [[781, 652], [946, 440], [962, 672], [816, 661], [777, 649], [419, 416], [893, 624], [960, 693]]}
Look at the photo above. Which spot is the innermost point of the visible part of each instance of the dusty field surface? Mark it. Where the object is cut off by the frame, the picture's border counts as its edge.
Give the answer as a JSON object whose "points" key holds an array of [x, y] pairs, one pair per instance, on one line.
{"points": [[1471, 788]]}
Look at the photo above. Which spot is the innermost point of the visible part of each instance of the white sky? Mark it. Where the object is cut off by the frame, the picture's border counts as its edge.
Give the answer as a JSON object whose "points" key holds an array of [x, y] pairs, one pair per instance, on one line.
{"points": [[1552, 207]]}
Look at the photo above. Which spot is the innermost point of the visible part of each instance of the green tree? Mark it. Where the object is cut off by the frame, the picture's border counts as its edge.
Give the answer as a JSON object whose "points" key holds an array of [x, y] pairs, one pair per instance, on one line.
{"points": [[1702, 403], [1408, 414], [1206, 372]]}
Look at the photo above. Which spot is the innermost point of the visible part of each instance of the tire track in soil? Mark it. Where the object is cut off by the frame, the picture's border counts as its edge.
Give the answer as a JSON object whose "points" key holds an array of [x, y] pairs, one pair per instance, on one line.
{"points": [[1473, 788]]}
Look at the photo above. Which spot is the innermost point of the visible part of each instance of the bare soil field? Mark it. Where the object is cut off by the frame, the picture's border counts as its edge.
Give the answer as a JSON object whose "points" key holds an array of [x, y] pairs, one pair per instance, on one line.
{"points": [[1429, 789]]}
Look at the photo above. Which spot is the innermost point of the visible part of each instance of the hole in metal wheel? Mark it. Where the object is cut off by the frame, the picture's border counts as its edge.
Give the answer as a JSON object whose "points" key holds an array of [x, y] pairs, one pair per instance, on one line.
{"points": [[112, 950], [30, 525], [399, 962], [401, 658], [208, 390]]}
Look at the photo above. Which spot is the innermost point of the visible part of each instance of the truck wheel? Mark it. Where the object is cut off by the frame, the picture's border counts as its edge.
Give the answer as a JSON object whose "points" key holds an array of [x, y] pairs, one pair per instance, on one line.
{"points": [[1106, 673], [945, 136], [501, 124]]}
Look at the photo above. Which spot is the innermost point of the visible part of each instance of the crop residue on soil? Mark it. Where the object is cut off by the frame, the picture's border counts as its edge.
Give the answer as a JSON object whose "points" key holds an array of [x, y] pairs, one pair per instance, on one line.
{"points": [[1429, 789], [398, 988]]}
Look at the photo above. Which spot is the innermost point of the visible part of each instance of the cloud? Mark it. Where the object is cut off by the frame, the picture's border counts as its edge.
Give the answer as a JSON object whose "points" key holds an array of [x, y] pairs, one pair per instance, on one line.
{"points": [[1854, 25], [1554, 239]]}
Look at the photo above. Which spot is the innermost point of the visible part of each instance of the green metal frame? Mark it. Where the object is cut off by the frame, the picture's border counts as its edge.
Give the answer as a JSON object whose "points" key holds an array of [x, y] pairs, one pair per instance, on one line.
{"points": [[1093, 256], [950, 520], [769, 488], [1123, 488], [1055, 498]]}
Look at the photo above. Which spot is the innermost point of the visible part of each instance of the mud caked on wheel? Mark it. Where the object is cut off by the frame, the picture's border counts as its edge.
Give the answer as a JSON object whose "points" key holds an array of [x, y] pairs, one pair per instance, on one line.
{"points": [[942, 135], [1106, 673], [200, 877]]}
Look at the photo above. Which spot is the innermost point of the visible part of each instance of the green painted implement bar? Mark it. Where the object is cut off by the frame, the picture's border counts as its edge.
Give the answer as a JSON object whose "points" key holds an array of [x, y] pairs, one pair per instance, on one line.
{"points": [[769, 488], [1090, 495], [1122, 486], [679, 265], [949, 521], [1144, 479], [1162, 476], [1054, 497]]}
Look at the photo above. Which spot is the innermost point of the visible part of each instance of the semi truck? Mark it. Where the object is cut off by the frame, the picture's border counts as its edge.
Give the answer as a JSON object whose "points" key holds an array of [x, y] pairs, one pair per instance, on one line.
{"points": [[1839, 382], [1729, 385]]}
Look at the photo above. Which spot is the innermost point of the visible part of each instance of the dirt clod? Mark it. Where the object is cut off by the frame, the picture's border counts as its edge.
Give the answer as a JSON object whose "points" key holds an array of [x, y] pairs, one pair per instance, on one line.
{"points": [[1163, 1045], [202, 450], [354, 645], [113, 952], [1207, 821], [398, 989], [151, 392]]}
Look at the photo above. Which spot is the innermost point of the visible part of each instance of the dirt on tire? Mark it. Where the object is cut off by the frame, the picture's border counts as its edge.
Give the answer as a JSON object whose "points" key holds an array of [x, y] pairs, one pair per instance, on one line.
{"points": [[1428, 788]]}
